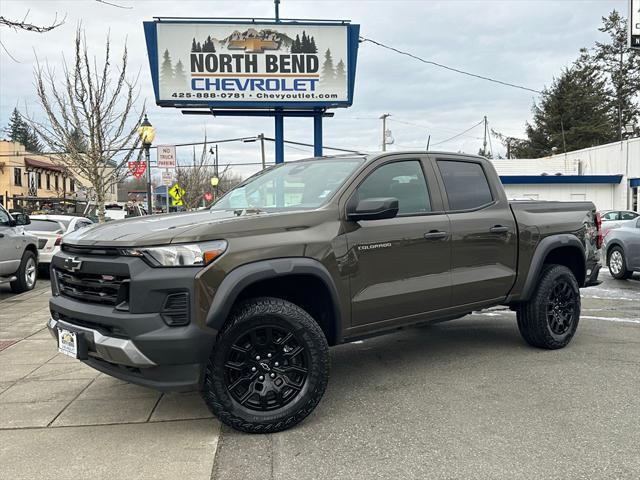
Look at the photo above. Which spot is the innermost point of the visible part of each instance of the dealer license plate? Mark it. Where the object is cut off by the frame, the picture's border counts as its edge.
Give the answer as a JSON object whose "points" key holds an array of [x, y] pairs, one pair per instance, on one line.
{"points": [[68, 342]]}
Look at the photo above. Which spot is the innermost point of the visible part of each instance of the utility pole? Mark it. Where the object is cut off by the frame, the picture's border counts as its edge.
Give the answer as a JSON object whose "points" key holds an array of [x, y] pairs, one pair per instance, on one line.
{"points": [[484, 143], [264, 163], [215, 170], [384, 117]]}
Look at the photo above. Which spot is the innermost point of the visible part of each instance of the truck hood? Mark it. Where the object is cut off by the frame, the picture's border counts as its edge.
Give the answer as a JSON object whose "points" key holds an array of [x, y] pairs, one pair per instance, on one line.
{"points": [[189, 227]]}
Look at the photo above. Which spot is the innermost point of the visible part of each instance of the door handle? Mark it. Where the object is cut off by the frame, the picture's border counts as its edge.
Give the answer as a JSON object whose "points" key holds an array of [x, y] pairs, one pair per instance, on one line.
{"points": [[1, 235], [499, 229], [436, 235]]}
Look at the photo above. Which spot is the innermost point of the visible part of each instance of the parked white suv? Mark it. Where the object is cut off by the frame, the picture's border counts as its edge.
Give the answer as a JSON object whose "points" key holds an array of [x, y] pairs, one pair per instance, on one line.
{"points": [[18, 252], [49, 229]]}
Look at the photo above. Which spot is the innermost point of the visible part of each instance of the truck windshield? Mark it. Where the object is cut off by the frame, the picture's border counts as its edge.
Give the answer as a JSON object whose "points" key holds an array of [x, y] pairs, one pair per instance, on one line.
{"points": [[290, 186]]}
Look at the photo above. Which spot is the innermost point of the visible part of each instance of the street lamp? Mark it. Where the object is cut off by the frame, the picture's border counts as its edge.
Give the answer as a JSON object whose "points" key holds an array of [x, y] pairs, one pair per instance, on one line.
{"points": [[147, 134]]}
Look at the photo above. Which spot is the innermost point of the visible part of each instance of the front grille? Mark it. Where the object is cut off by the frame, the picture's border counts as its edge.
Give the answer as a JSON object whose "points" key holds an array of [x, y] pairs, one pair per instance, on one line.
{"points": [[41, 243], [92, 287]]}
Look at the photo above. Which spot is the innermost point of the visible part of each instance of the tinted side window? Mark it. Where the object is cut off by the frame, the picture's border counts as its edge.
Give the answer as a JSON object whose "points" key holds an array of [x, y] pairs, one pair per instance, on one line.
{"points": [[402, 180], [627, 215], [465, 183], [610, 216]]}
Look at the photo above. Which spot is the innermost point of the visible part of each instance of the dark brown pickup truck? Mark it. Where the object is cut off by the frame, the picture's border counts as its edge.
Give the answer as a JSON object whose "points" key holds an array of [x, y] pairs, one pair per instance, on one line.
{"points": [[243, 301]]}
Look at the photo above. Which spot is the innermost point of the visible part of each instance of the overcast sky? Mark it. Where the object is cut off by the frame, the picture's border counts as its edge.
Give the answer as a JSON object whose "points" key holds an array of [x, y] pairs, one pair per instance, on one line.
{"points": [[522, 42]]}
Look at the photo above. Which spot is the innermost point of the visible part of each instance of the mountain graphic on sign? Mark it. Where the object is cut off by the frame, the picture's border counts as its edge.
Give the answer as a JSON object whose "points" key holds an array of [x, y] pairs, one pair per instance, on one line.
{"points": [[256, 41]]}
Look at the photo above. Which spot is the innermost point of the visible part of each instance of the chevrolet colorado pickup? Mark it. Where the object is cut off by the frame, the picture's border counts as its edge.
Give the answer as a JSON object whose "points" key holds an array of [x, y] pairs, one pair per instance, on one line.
{"points": [[243, 301], [18, 252]]}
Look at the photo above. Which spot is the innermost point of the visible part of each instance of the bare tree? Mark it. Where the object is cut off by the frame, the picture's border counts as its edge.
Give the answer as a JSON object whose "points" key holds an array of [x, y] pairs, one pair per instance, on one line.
{"points": [[29, 27], [195, 178], [91, 122]]}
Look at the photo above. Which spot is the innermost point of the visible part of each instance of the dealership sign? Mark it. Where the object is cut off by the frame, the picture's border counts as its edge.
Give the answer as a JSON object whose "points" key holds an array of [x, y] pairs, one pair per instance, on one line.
{"points": [[634, 23], [257, 65]]}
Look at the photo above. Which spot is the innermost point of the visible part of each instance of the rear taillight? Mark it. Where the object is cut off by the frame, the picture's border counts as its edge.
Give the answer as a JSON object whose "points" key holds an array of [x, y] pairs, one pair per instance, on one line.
{"points": [[599, 228], [58, 240]]}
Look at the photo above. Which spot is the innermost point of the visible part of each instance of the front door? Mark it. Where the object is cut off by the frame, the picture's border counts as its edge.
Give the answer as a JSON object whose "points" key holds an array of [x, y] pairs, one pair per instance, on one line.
{"points": [[401, 265]]}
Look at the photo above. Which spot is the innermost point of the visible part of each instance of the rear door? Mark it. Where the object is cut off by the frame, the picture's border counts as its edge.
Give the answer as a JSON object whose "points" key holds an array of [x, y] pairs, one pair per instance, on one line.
{"points": [[400, 266], [483, 230]]}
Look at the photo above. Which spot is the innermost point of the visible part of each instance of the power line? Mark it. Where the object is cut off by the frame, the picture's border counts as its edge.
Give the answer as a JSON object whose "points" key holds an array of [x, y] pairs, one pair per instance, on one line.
{"points": [[436, 64], [459, 134]]}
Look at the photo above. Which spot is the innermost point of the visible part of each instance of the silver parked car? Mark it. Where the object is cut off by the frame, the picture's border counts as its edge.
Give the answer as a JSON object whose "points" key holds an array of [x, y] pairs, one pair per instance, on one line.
{"points": [[622, 247], [18, 252]]}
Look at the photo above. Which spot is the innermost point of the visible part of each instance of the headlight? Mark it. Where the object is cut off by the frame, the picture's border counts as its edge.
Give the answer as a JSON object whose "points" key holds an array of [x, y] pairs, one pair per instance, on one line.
{"points": [[180, 255]]}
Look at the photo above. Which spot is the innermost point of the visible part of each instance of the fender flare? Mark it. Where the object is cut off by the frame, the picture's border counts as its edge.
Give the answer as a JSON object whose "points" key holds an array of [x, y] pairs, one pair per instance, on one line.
{"points": [[546, 246], [242, 277]]}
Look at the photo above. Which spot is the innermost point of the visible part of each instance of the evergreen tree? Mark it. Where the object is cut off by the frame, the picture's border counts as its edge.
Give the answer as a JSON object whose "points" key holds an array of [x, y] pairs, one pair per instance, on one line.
{"points": [[20, 131], [304, 46], [296, 46], [312, 46], [328, 74], [621, 65], [572, 114], [179, 74], [340, 72], [166, 70], [195, 47], [208, 45]]}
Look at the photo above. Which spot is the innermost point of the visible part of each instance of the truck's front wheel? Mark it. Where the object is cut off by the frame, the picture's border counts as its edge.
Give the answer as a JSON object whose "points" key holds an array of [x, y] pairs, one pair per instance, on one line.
{"points": [[550, 318], [268, 369]]}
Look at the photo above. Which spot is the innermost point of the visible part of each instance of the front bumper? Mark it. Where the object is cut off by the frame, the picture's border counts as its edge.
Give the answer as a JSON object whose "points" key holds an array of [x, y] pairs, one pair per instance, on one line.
{"points": [[132, 340]]}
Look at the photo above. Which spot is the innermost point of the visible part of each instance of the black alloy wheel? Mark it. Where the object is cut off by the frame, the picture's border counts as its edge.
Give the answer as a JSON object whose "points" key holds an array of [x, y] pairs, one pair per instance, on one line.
{"points": [[266, 368], [549, 318], [561, 307], [269, 367]]}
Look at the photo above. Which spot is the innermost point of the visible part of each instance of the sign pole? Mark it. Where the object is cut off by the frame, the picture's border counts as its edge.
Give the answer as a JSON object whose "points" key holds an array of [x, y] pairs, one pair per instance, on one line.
{"points": [[317, 134], [279, 136], [166, 191], [149, 194]]}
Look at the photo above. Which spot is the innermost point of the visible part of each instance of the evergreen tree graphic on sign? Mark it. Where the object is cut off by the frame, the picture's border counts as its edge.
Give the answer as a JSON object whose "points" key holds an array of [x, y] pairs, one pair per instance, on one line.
{"points": [[179, 75], [166, 70], [328, 74], [340, 73]]}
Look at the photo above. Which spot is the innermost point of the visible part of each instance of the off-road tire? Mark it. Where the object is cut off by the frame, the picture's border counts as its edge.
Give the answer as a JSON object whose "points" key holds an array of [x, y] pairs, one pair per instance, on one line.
{"points": [[22, 284], [623, 273], [533, 320], [247, 316]]}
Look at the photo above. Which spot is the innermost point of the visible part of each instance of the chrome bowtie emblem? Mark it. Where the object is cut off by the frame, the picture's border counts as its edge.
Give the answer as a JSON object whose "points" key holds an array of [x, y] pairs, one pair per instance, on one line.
{"points": [[73, 264], [265, 366]]}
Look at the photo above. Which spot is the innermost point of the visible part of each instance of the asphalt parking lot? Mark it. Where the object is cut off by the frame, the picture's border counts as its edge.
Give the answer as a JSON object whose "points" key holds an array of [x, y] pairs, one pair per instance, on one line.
{"points": [[464, 399]]}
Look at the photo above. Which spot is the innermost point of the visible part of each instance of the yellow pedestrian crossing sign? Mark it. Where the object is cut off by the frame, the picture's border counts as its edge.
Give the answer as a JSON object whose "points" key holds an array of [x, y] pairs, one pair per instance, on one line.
{"points": [[177, 203], [177, 192]]}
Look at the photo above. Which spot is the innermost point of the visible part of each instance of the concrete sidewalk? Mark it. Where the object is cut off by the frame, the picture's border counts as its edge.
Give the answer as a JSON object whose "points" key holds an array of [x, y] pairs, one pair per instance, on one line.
{"points": [[62, 419]]}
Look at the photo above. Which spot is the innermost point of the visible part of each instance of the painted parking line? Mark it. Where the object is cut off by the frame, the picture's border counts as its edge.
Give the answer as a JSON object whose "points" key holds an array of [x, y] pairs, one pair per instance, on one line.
{"points": [[610, 319]]}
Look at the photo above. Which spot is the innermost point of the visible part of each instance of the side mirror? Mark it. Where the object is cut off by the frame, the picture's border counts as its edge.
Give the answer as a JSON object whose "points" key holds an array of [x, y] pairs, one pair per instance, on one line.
{"points": [[372, 209], [21, 218]]}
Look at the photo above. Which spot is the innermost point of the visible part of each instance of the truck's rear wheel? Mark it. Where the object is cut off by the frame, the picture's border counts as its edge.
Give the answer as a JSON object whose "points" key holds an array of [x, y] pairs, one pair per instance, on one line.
{"points": [[27, 274], [268, 369], [550, 318]]}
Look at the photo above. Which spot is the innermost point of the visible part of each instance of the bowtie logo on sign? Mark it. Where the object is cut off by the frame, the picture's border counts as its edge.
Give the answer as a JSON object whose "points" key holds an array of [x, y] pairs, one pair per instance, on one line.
{"points": [[137, 169]]}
